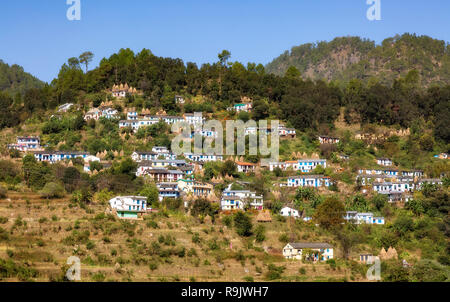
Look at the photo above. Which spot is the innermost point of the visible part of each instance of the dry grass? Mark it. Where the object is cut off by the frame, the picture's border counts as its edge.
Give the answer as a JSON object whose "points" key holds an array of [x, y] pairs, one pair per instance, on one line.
{"points": [[40, 244]]}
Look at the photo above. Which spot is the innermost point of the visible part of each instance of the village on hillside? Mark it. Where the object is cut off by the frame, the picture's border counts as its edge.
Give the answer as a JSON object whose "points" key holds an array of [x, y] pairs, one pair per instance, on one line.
{"points": [[300, 189]]}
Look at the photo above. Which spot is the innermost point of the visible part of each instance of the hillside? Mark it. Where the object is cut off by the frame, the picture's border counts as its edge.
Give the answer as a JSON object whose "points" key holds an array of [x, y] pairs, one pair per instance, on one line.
{"points": [[14, 79], [346, 58]]}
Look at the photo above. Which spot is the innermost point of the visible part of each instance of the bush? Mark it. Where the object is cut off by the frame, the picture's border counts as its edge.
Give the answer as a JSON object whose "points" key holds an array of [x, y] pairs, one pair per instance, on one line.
{"points": [[332, 263], [228, 221], [153, 266], [243, 224], [52, 190], [284, 238], [274, 272], [260, 233]]}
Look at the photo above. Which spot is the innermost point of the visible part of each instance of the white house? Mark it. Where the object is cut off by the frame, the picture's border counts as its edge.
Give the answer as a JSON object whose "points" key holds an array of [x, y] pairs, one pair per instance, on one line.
{"points": [[313, 181], [393, 187], [65, 107], [26, 143], [203, 157], [194, 118], [293, 165], [359, 218], [307, 165], [204, 133], [168, 190], [237, 199], [120, 91], [319, 251], [286, 132], [328, 140], [247, 107], [179, 99], [144, 156], [413, 173], [244, 167], [384, 162], [132, 115], [435, 181], [190, 186], [56, 156], [159, 174], [289, 212], [160, 150], [129, 207], [161, 163]]}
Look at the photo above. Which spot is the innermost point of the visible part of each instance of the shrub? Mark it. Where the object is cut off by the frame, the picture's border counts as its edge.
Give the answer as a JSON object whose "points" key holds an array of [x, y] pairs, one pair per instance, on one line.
{"points": [[260, 233], [98, 277], [153, 266], [196, 238], [243, 224], [274, 272], [52, 190], [284, 238], [90, 245], [332, 263]]}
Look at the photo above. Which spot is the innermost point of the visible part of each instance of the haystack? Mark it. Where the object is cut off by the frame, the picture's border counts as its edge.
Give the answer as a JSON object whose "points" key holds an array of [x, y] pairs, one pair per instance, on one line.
{"points": [[264, 216], [382, 254], [391, 253]]}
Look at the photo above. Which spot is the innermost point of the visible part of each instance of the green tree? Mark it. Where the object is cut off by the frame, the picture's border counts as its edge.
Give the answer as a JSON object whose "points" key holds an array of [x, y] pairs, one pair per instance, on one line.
{"points": [[52, 190], [330, 214], [86, 58], [152, 193], [242, 224]]}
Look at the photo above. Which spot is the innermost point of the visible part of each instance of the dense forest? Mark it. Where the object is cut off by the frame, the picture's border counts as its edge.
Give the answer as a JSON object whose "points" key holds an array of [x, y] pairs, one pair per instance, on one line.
{"points": [[15, 80], [347, 58]]}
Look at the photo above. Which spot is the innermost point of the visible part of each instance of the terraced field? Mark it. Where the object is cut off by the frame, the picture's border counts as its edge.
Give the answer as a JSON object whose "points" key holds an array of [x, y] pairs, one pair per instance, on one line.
{"points": [[43, 234]]}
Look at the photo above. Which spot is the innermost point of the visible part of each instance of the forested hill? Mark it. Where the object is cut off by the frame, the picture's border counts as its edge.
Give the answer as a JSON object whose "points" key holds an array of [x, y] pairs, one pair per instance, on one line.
{"points": [[14, 79], [347, 58]]}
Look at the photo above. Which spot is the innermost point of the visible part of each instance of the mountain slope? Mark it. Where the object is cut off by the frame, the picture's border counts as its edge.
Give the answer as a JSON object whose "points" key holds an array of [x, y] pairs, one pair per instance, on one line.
{"points": [[346, 58], [14, 79]]}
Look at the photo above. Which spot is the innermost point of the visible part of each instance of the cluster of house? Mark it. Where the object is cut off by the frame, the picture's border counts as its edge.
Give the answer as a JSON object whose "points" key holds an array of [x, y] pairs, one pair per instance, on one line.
{"points": [[103, 111], [135, 120], [283, 131], [57, 156], [396, 185], [303, 166], [26, 143]]}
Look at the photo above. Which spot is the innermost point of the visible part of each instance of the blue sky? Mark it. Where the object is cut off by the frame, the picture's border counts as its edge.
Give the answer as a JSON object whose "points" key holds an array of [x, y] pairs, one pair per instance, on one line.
{"points": [[37, 35]]}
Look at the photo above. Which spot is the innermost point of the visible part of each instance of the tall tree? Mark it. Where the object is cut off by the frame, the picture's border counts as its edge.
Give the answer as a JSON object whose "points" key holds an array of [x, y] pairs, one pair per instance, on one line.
{"points": [[86, 58]]}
